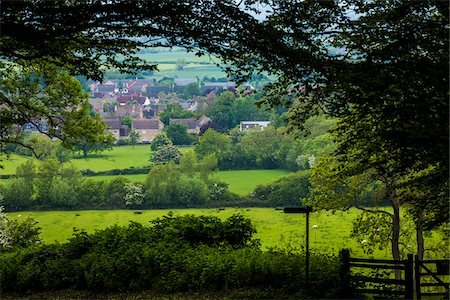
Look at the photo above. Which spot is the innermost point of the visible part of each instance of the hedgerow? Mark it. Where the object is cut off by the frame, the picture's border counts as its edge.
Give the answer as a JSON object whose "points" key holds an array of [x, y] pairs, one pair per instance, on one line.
{"points": [[173, 255]]}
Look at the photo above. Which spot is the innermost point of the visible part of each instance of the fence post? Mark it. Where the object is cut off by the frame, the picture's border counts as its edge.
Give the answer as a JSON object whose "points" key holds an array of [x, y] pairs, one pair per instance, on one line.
{"points": [[344, 273], [417, 276], [409, 278]]}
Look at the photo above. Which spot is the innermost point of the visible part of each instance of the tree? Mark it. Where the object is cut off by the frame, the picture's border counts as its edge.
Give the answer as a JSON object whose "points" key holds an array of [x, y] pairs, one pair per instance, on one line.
{"points": [[213, 142], [116, 192], [177, 133], [19, 192], [17, 233], [47, 100], [133, 137], [160, 140], [335, 189], [371, 64], [264, 146], [34, 142], [222, 111], [165, 154], [191, 90], [174, 111], [86, 146], [127, 120], [134, 195], [161, 185]]}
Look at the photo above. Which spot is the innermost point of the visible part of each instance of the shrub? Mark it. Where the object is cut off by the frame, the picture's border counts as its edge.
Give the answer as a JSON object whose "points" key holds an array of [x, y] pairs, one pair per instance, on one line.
{"points": [[179, 254]]}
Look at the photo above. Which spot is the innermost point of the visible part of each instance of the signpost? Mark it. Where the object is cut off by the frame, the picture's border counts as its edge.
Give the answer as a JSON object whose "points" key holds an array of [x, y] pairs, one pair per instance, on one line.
{"points": [[303, 210]]}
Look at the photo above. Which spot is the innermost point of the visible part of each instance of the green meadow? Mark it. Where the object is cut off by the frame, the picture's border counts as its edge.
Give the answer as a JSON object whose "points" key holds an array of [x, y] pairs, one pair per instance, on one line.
{"points": [[10, 163], [275, 229], [118, 158], [241, 182]]}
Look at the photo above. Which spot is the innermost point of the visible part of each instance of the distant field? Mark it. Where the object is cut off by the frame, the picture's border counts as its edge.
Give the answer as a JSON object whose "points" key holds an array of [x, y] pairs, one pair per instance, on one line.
{"points": [[241, 182], [244, 182], [191, 72], [118, 158], [274, 227], [195, 66], [11, 163], [173, 56]]}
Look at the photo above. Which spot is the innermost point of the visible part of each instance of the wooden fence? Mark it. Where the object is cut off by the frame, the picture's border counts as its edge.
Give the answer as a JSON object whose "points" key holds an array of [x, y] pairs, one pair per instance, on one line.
{"points": [[432, 278], [410, 278]]}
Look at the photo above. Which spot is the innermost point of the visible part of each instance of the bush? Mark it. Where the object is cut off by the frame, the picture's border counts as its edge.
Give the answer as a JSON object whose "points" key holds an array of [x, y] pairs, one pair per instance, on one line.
{"points": [[179, 254], [286, 191]]}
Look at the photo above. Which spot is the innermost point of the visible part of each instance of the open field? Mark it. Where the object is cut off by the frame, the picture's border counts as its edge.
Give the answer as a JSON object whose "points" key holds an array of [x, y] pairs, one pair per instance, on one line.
{"points": [[9, 164], [274, 227], [167, 55], [191, 72], [244, 182], [118, 158], [241, 182]]}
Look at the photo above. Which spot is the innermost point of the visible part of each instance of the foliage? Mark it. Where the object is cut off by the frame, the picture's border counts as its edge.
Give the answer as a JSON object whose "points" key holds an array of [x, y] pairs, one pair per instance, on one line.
{"points": [[42, 145], [191, 90], [160, 140], [127, 120], [135, 195], [222, 112], [177, 133], [165, 154], [40, 88], [213, 142], [17, 233], [228, 111], [286, 191], [133, 137], [174, 111], [174, 255]]}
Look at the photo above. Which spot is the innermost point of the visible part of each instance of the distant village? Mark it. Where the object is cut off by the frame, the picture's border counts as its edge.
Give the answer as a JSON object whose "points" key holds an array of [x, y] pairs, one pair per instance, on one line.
{"points": [[142, 100]]}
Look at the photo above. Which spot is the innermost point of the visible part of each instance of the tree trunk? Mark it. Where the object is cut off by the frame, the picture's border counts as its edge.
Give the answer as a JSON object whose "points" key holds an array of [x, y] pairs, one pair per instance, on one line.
{"points": [[396, 231], [419, 237]]}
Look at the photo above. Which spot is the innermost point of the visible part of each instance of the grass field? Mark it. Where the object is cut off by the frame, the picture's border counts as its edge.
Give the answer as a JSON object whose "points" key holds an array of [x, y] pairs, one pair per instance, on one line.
{"points": [[195, 66], [9, 164], [241, 182], [244, 182], [274, 227], [118, 158]]}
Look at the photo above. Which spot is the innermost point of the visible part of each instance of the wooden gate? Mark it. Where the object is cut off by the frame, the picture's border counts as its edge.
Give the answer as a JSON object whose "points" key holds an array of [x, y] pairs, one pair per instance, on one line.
{"points": [[377, 276], [432, 278]]}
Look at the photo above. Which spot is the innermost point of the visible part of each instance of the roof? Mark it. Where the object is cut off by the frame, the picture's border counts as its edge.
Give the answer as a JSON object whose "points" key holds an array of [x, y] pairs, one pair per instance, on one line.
{"points": [[259, 123], [154, 90], [113, 123], [203, 120], [143, 124], [190, 123], [124, 99]]}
